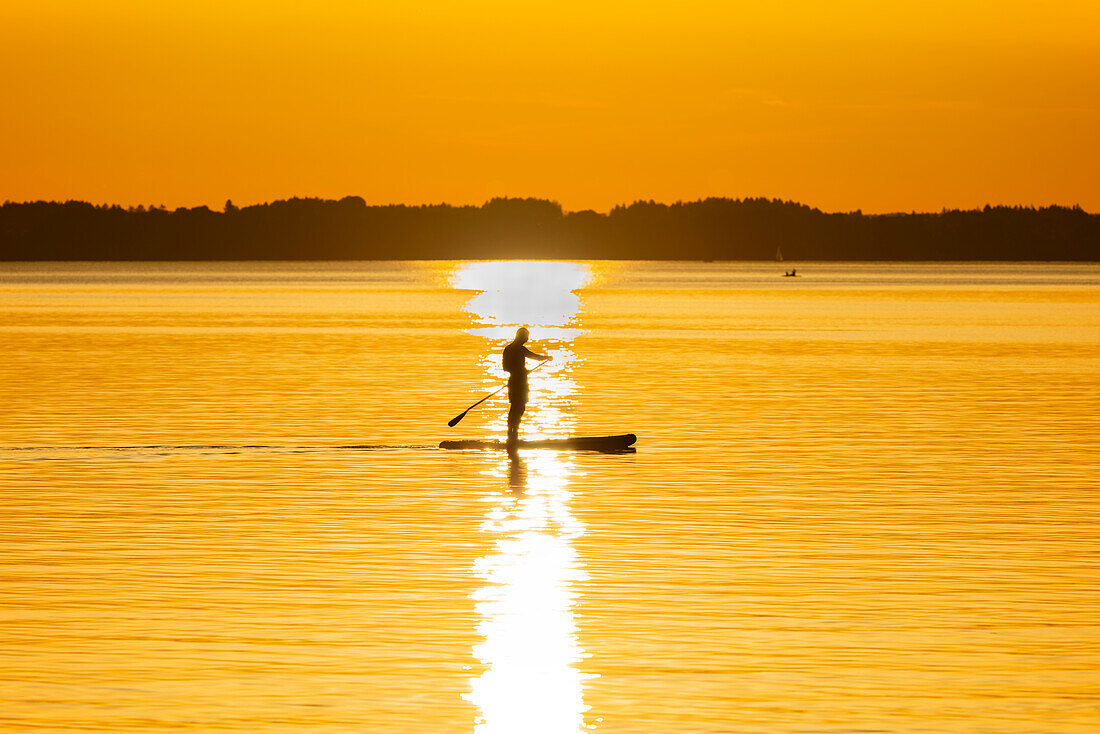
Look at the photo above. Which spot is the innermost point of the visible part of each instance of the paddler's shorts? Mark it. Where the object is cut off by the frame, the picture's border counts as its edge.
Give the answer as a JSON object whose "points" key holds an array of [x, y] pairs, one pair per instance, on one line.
{"points": [[517, 390]]}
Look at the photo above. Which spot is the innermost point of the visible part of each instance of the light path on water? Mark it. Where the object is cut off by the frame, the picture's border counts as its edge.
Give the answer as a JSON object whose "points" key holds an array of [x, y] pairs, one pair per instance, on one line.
{"points": [[865, 498]]}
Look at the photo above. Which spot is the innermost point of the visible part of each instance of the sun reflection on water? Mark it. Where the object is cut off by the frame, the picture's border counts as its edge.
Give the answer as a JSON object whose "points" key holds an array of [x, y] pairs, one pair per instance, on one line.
{"points": [[513, 293], [531, 681]]}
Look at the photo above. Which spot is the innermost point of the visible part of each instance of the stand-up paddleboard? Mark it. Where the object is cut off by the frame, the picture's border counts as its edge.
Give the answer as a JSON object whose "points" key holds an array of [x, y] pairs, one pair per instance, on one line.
{"points": [[607, 444]]}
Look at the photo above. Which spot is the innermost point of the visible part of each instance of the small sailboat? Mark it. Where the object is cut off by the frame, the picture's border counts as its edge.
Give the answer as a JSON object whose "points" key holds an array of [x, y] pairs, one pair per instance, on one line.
{"points": [[779, 258]]}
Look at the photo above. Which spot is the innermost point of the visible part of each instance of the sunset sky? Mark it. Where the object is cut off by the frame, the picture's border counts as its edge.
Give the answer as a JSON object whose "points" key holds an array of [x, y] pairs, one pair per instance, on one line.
{"points": [[841, 105]]}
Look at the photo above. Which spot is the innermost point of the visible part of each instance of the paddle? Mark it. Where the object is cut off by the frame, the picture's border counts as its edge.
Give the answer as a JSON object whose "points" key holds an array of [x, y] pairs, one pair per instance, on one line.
{"points": [[454, 421]]}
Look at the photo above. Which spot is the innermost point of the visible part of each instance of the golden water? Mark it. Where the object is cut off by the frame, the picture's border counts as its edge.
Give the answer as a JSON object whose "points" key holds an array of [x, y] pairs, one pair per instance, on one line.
{"points": [[865, 499]]}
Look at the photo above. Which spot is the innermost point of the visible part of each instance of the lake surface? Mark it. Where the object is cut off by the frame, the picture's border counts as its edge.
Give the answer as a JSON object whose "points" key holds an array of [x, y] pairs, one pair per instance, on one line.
{"points": [[864, 499]]}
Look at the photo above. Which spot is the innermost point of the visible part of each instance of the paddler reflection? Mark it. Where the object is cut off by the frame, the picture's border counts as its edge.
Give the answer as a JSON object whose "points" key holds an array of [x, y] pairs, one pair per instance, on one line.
{"points": [[517, 472]]}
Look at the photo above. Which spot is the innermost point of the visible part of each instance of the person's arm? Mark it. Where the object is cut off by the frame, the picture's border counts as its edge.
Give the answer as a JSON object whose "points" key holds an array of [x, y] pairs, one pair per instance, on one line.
{"points": [[540, 357]]}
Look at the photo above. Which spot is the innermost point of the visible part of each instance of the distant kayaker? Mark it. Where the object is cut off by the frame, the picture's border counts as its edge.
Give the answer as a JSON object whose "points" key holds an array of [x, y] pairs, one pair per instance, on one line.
{"points": [[515, 364]]}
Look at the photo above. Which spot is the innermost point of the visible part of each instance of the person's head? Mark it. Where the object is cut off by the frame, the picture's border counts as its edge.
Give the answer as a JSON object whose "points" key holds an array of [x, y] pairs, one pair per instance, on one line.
{"points": [[522, 335]]}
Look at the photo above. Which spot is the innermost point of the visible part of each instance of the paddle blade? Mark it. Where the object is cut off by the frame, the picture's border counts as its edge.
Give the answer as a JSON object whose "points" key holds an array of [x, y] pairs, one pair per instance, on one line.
{"points": [[454, 421]]}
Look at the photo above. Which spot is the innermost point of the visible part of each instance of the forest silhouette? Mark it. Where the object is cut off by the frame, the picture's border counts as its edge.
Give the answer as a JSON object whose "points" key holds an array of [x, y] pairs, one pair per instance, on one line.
{"points": [[709, 229]]}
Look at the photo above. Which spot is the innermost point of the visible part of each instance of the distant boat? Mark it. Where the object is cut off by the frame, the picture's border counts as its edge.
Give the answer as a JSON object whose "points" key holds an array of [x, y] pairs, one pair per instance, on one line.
{"points": [[779, 254]]}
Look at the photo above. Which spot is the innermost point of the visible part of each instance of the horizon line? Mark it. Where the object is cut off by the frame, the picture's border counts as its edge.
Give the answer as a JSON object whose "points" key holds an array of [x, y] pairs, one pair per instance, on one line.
{"points": [[565, 212]]}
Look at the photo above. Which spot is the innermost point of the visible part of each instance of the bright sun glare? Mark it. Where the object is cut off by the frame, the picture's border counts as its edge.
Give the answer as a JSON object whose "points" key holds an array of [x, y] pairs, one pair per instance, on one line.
{"points": [[531, 682], [513, 293]]}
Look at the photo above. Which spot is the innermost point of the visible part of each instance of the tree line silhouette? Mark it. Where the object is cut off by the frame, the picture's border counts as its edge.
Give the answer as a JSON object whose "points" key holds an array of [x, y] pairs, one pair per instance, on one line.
{"points": [[709, 229]]}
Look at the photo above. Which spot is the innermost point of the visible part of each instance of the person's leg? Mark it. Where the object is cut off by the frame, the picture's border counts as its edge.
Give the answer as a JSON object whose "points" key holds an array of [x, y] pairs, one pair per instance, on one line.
{"points": [[517, 396], [515, 414]]}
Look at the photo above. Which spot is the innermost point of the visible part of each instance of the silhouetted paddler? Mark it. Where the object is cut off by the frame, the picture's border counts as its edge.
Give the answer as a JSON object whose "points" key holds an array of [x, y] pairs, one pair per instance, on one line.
{"points": [[515, 364]]}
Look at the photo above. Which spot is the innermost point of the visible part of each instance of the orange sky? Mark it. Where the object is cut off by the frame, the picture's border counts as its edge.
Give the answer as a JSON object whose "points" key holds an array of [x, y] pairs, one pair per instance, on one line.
{"points": [[841, 105]]}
